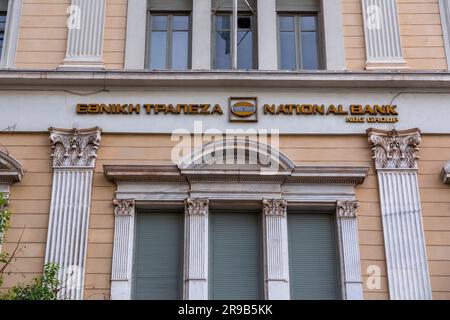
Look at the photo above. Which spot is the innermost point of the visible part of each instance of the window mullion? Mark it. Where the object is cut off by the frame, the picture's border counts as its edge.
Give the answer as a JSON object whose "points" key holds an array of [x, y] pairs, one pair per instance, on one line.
{"points": [[169, 41], [234, 27], [298, 38]]}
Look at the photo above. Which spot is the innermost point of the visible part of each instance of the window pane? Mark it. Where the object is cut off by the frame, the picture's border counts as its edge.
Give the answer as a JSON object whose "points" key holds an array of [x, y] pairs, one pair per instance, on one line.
{"points": [[287, 48], [286, 23], [158, 49], [159, 23], [181, 23], [180, 50], [223, 22], [223, 50], [310, 51], [245, 50], [308, 23]]}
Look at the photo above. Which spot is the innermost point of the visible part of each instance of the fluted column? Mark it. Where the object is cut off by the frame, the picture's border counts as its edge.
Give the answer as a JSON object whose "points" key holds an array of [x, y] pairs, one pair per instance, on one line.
{"points": [[85, 34], [349, 243], [74, 155], [122, 261], [382, 35], [396, 154], [196, 249], [276, 249]]}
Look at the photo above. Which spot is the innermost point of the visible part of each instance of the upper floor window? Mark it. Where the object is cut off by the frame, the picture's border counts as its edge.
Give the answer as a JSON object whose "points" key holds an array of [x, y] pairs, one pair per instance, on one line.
{"points": [[234, 34], [168, 43], [299, 47], [3, 9]]}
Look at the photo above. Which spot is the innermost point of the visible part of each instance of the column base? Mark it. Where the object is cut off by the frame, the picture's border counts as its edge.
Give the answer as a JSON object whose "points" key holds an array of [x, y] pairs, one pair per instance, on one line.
{"points": [[74, 64], [386, 65]]}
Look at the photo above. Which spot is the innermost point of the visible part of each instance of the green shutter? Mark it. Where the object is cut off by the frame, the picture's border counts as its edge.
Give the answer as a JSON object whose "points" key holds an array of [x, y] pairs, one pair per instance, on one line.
{"points": [[298, 5], [170, 5], [158, 271], [313, 256], [235, 256], [3, 5]]}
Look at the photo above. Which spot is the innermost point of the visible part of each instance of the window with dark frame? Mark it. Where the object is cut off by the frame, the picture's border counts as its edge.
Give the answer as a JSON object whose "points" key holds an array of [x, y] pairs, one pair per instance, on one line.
{"points": [[299, 46], [2, 29], [169, 41], [246, 41]]}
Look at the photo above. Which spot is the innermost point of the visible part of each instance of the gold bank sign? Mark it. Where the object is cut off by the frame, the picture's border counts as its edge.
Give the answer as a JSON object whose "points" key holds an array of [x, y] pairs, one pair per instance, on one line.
{"points": [[246, 110]]}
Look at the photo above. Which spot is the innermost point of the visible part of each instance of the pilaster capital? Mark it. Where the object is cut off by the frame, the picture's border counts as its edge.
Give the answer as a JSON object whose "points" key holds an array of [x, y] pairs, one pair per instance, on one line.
{"points": [[274, 207], [73, 148], [123, 207], [347, 209], [445, 174], [196, 206], [394, 149]]}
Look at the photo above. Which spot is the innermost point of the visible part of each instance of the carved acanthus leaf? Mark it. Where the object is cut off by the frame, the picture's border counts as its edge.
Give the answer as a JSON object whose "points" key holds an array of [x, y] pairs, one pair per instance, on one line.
{"points": [[395, 149], [123, 207], [274, 207], [75, 148], [347, 209], [197, 206]]}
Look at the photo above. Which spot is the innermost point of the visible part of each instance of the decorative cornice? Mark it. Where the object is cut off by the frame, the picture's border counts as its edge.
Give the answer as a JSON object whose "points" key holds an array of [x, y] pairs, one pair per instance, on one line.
{"points": [[73, 148], [350, 175], [445, 174], [347, 209], [10, 169], [395, 149], [123, 207], [196, 207], [274, 207]]}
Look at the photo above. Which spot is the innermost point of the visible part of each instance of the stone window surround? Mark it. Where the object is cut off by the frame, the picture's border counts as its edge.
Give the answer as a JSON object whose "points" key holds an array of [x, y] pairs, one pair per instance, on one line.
{"points": [[314, 188], [8, 55], [135, 47]]}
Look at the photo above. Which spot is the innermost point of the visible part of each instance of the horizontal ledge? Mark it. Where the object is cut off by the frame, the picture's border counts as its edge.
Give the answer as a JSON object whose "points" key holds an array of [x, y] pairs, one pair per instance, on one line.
{"points": [[300, 174], [211, 78]]}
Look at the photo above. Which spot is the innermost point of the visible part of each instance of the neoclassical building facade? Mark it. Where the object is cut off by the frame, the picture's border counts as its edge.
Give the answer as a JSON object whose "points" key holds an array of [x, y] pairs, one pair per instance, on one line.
{"points": [[204, 149]]}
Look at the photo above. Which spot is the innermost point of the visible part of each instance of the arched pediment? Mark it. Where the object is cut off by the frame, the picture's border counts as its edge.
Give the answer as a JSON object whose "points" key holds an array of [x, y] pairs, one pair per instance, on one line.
{"points": [[10, 169], [236, 154]]}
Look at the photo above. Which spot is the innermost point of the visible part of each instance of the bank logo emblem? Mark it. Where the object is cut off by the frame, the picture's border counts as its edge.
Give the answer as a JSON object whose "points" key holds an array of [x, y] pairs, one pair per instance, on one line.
{"points": [[243, 109]]}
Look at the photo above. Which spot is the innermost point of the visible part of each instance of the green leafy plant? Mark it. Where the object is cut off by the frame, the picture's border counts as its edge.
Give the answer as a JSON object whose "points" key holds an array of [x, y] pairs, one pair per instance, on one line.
{"points": [[44, 287], [5, 217]]}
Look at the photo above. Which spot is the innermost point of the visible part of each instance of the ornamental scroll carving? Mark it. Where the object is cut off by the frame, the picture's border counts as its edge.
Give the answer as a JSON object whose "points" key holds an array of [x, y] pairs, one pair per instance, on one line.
{"points": [[347, 209], [196, 206], [74, 148], [274, 207], [395, 149], [123, 207]]}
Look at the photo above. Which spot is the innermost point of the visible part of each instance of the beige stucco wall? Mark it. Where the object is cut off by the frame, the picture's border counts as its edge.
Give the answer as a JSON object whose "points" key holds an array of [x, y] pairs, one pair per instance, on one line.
{"points": [[43, 34], [30, 201], [420, 31]]}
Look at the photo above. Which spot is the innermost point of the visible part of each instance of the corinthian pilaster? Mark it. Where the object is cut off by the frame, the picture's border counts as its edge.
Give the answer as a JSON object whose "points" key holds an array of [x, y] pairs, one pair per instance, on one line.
{"points": [[348, 225], [85, 34], [196, 253], [276, 249], [74, 154], [445, 174], [396, 154], [122, 261]]}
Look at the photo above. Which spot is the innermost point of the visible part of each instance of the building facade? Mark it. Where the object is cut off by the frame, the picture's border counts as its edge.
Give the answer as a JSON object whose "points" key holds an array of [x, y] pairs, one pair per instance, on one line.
{"points": [[227, 149]]}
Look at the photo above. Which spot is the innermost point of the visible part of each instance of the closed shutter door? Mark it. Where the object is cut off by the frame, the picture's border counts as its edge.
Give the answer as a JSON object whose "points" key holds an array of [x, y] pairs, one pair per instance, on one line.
{"points": [[298, 5], [235, 260], [170, 5], [158, 256], [313, 257], [3, 5]]}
